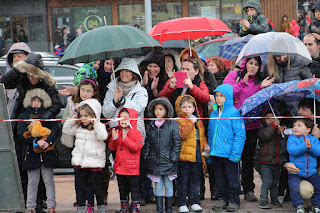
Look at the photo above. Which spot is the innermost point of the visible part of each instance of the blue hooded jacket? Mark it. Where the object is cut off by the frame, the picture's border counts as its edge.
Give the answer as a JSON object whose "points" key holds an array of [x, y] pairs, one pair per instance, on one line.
{"points": [[226, 137]]}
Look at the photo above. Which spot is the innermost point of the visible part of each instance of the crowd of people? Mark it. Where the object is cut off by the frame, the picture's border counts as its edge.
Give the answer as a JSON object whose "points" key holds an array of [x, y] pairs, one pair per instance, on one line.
{"points": [[174, 154]]}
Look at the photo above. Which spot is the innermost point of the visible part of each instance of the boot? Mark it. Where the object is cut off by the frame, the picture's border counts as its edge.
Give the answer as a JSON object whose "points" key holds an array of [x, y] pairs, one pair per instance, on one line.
{"points": [[102, 209], [124, 206], [81, 209], [159, 200], [105, 177], [90, 209], [169, 203], [135, 206]]}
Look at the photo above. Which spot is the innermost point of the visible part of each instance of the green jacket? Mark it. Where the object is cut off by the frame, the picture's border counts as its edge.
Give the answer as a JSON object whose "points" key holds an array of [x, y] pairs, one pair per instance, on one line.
{"points": [[258, 22]]}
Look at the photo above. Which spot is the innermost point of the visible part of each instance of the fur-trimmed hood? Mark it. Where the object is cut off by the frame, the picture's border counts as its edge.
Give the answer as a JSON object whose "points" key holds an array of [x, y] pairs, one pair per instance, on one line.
{"points": [[165, 102], [39, 93], [33, 65]]}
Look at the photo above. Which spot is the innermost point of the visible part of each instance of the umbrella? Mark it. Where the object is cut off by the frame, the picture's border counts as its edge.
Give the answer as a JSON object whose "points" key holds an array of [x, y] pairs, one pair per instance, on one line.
{"points": [[233, 46], [175, 44], [108, 42], [188, 28], [274, 43]]}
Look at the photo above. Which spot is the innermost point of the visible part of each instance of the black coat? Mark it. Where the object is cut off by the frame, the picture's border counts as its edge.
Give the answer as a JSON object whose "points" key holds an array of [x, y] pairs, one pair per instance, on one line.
{"points": [[162, 148], [314, 67], [30, 159]]}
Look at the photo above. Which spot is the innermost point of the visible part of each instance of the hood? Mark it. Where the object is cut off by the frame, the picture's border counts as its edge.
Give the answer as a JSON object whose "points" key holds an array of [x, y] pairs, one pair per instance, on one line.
{"points": [[155, 56], [39, 93], [253, 3], [244, 61], [94, 104], [293, 22], [129, 64], [227, 90], [19, 47], [316, 6], [267, 110], [165, 102], [175, 55], [133, 114], [178, 110]]}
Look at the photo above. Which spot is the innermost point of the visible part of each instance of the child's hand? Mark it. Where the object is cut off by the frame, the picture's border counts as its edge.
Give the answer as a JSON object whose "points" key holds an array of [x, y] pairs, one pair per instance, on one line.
{"points": [[31, 124], [308, 143], [281, 129], [245, 23], [315, 131], [41, 143], [115, 133], [124, 134], [193, 120], [74, 116], [46, 144]]}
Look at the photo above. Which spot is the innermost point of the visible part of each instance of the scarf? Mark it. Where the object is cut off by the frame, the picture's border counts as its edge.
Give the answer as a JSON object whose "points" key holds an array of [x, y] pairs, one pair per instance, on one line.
{"points": [[126, 87]]}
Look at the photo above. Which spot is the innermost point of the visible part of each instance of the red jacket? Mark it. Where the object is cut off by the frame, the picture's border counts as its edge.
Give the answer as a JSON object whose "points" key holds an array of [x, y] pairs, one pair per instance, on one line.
{"points": [[200, 94], [127, 161]]}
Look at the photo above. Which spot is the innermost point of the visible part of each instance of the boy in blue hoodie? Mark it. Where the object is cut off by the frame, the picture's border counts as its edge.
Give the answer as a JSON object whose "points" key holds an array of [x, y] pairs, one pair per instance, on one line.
{"points": [[226, 138], [255, 22], [303, 149]]}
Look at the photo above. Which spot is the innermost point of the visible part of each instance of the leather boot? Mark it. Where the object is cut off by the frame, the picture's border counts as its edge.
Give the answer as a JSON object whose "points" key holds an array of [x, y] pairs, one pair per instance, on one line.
{"points": [[159, 200], [169, 203]]}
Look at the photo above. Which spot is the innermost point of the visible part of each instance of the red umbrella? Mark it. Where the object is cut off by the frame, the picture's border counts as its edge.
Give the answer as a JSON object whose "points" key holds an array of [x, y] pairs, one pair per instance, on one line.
{"points": [[188, 28]]}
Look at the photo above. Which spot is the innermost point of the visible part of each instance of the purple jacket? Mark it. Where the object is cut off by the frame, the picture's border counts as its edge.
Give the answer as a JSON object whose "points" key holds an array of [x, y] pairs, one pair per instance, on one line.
{"points": [[242, 91]]}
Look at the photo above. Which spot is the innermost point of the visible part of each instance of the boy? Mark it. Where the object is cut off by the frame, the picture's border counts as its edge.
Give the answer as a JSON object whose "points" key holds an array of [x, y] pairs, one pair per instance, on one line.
{"points": [[226, 139], [314, 27], [269, 140], [256, 22], [303, 149], [193, 141]]}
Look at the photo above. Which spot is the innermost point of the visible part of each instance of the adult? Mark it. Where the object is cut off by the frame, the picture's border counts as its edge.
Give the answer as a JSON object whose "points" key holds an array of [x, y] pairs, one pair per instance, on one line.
{"points": [[170, 64], [285, 24], [80, 30], [306, 108], [195, 85], [57, 37], [304, 24], [22, 36], [312, 42], [127, 93], [66, 38], [218, 68], [246, 83]]}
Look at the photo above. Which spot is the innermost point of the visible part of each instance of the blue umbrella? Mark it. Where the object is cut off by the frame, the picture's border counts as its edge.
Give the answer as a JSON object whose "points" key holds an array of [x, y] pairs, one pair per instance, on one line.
{"points": [[233, 46]]}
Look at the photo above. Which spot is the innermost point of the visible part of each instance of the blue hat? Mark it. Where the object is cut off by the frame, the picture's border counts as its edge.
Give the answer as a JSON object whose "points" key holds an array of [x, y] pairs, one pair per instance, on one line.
{"points": [[202, 58]]}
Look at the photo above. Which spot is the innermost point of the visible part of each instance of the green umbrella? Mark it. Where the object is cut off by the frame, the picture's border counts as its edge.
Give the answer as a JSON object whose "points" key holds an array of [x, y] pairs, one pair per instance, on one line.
{"points": [[108, 42]]}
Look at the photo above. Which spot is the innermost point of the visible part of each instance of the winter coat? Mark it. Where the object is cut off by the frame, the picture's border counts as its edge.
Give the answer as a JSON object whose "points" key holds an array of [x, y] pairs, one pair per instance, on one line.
{"points": [[30, 159], [220, 76], [298, 70], [90, 149], [210, 80], [189, 135], [314, 67], [295, 29], [162, 145], [199, 91], [136, 99], [314, 27], [301, 157], [226, 137], [17, 78], [258, 22], [128, 150], [285, 26]]}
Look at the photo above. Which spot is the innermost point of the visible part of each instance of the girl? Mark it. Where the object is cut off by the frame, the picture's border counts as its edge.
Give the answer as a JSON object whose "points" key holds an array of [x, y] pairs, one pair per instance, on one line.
{"points": [[88, 155], [162, 150], [127, 142]]}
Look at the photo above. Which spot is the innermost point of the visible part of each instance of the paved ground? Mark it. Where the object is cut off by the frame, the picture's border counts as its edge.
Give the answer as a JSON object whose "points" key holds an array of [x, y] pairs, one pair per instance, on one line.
{"points": [[65, 195]]}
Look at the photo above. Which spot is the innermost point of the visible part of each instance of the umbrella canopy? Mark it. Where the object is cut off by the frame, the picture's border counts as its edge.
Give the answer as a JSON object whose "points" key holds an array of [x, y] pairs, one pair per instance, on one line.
{"points": [[274, 43], [108, 42], [175, 44], [290, 91], [188, 28], [233, 46]]}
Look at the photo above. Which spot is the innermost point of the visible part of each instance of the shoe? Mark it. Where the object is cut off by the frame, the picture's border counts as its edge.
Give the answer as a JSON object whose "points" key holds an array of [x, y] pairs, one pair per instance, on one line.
{"points": [[183, 209], [300, 209], [220, 205], [315, 209], [250, 197], [81, 209], [264, 205], [102, 208], [196, 208], [90, 209], [275, 203], [40, 209], [281, 199], [232, 207], [51, 210]]}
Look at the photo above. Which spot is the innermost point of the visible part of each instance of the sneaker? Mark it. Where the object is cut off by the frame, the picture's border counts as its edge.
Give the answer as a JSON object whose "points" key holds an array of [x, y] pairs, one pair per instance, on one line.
{"points": [[183, 209], [300, 209], [196, 208], [281, 199], [275, 203], [264, 204], [232, 207], [315, 209], [250, 197], [220, 205]]}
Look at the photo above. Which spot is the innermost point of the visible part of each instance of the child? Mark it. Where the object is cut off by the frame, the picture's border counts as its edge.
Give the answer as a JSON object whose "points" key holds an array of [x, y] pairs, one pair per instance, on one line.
{"points": [[162, 150], [226, 139], [89, 153], [314, 27], [87, 89], [269, 140], [36, 101], [127, 142], [256, 22], [303, 149], [193, 141]]}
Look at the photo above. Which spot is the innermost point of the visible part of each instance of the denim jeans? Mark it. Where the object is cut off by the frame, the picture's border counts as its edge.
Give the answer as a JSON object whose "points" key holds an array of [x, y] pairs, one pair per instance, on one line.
{"points": [[270, 175], [166, 183], [294, 184], [188, 182], [227, 175]]}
